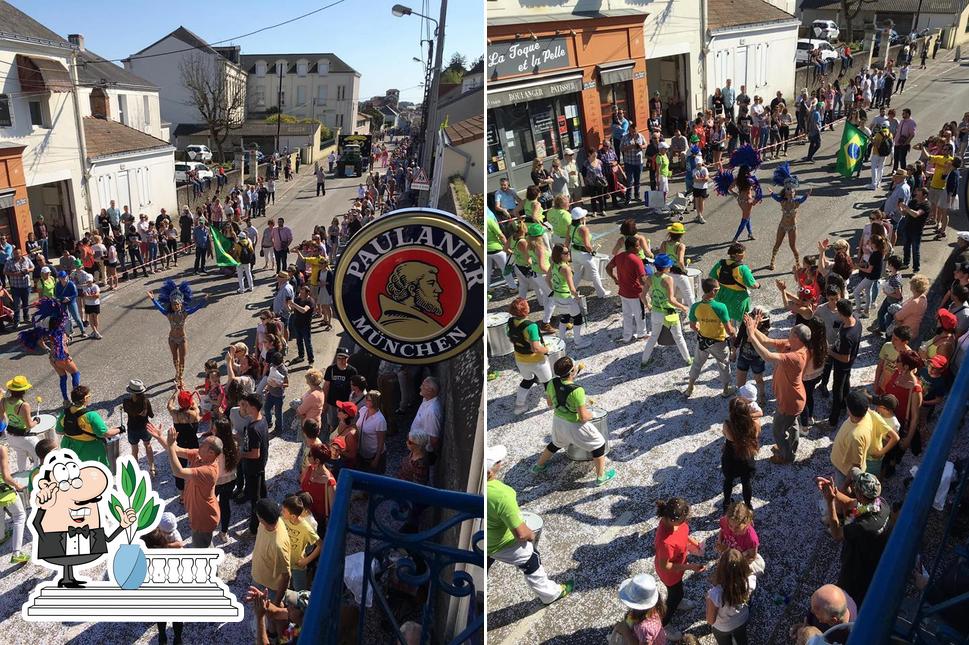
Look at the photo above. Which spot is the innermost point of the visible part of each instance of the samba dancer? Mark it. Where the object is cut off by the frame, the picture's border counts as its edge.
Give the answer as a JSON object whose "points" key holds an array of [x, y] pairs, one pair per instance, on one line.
{"points": [[175, 302]]}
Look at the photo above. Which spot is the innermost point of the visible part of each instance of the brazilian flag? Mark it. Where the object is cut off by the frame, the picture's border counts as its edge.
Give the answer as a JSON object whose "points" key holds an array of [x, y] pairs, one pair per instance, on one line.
{"points": [[222, 246], [853, 144]]}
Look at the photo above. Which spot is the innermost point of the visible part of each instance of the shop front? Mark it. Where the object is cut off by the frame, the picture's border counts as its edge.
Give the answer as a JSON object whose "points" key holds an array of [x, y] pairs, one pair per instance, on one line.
{"points": [[558, 88], [14, 206]]}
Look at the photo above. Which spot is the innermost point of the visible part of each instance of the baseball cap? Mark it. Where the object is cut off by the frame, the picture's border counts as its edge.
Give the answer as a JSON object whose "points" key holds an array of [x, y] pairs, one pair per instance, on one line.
{"points": [[62, 274], [45, 269], [939, 362], [663, 145], [962, 236], [343, 351], [347, 407], [242, 235], [78, 263], [947, 319], [578, 213], [568, 151], [494, 455]]}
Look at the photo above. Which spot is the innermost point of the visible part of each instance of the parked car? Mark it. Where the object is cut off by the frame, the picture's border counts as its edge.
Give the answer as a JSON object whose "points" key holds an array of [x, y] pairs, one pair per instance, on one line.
{"points": [[825, 29], [806, 45], [261, 158], [182, 169], [198, 153]]}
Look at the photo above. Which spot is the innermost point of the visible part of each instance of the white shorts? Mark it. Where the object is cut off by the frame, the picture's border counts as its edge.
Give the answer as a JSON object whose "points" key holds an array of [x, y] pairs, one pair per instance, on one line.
{"points": [[542, 371], [584, 436]]}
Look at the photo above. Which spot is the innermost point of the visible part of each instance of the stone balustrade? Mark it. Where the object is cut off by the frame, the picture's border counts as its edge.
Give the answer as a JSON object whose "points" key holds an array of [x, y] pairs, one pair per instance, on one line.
{"points": [[181, 567]]}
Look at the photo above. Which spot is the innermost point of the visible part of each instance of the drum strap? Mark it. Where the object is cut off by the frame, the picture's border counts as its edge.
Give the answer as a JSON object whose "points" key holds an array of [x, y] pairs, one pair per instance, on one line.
{"points": [[516, 332], [562, 392]]}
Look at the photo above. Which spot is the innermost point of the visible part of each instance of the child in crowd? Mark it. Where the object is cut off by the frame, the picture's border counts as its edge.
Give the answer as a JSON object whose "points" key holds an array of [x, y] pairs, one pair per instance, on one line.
{"points": [[307, 514], [301, 537], [748, 392], [883, 438], [892, 288], [643, 622], [168, 528], [157, 540], [727, 602], [673, 545], [747, 357], [936, 381], [737, 532]]}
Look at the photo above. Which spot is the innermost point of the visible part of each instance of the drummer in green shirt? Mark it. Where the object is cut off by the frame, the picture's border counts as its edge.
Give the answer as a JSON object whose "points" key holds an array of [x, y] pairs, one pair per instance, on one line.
{"points": [[509, 539], [83, 430], [496, 245], [571, 423], [735, 280], [560, 219]]}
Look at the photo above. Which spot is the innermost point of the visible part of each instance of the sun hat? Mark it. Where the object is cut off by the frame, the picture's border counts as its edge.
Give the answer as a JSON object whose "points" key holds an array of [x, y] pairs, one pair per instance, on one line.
{"points": [[947, 319], [639, 592], [136, 386], [168, 522], [662, 261], [900, 172], [19, 384], [939, 362], [748, 392], [282, 275], [347, 407], [184, 399], [535, 230], [865, 484], [578, 213], [494, 455], [676, 227]]}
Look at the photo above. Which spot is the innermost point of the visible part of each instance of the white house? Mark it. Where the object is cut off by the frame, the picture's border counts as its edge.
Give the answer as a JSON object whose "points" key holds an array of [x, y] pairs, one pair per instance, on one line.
{"points": [[949, 16], [161, 63], [41, 138], [753, 43], [312, 86], [130, 167], [463, 154], [673, 40]]}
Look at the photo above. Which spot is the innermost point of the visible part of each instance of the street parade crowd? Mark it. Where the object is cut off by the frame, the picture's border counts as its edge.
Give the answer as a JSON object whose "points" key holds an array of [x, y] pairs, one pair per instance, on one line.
{"points": [[541, 249], [217, 434]]}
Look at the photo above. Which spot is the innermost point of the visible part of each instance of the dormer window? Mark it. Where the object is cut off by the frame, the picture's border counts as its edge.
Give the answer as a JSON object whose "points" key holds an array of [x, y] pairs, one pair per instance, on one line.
{"points": [[260, 68], [281, 65], [301, 67], [323, 67]]}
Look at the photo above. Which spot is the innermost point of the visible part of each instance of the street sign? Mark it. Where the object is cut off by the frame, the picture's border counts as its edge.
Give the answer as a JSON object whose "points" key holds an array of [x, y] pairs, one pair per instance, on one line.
{"points": [[420, 182]]}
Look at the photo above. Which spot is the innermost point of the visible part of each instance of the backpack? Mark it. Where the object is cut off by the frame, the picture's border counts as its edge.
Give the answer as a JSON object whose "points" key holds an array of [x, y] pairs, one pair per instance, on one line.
{"points": [[725, 273], [516, 333], [884, 147], [562, 392], [247, 255]]}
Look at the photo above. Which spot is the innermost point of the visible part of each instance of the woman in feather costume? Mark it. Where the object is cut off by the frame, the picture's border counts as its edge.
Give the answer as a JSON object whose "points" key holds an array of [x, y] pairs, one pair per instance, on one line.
{"points": [[48, 334], [789, 208], [744, 186], [176, 303]]}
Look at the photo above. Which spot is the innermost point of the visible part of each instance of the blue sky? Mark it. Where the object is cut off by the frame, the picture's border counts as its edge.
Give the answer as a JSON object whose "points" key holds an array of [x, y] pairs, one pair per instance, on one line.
{"points": [[364, 33]]}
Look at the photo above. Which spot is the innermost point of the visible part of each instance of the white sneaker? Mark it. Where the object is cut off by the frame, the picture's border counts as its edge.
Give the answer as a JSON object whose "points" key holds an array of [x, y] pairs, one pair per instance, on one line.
{"points": [[686, 604]]}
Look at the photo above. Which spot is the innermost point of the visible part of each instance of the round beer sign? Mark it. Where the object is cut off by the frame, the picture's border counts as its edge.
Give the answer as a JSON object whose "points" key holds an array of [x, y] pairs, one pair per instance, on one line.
{"points": [[409, 286]]}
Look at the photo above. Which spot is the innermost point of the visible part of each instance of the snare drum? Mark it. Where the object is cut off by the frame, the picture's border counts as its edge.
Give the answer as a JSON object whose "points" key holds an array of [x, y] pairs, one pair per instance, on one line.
{"points": [[696, 277], [498, 342], [44, 427], [535, 523], [601, 421], [556, 350]]}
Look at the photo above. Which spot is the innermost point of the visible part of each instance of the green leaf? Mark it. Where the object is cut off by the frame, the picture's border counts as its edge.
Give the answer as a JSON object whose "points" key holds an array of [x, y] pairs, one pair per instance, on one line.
{"points": [[147, 515], [139, 496], [128, 479], [113, 507]]}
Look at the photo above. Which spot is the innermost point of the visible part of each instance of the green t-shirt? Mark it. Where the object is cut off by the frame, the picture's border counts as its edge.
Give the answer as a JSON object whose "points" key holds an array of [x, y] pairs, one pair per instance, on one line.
{"points": [[503, 516], [711, 318], [560, 219], [492, 233], [570, 409], [663, 165]]}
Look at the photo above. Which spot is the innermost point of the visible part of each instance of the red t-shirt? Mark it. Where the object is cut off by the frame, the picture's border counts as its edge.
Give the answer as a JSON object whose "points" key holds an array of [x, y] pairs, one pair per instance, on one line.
{"points": [[671, 547], [629, 269]]}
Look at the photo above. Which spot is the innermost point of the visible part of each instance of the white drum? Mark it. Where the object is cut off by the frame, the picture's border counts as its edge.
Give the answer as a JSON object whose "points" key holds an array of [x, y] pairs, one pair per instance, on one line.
{"points": [[23, 478], [498, 342], [112, 447], [603, 260], [535, 523], [601, 422], [44, 427], [556, 350], [696, 276]]}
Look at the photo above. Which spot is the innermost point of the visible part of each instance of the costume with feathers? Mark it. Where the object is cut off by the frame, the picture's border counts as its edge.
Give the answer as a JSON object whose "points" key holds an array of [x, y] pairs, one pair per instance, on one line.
{"points": [[789, 208], [49, 331], [169, 295], [745, 155]]}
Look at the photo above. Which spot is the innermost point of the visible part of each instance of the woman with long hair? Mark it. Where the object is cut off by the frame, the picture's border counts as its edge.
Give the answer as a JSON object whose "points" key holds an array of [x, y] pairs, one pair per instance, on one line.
{"points": [[594, 175], [790, 205], [228, 461], [905, 385], [727, 601], [564, 296], [814, 370], [741, 432], [628, 229], [746, 195], [184, 411], [177, 303]]}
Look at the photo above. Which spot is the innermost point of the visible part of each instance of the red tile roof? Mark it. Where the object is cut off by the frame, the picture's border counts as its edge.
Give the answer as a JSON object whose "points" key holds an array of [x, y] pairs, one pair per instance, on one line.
{"points": [[106, 138]]}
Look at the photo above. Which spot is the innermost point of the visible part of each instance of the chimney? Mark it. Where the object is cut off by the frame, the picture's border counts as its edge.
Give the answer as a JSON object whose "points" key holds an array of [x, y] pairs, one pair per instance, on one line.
{"points": [[77, 40]]}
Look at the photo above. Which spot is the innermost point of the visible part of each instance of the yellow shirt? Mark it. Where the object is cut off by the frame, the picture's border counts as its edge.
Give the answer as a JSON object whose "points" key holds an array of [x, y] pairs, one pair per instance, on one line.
{"points": [[270, 556], [313, 262], [301, 535], [854, 440], [942, 164]]}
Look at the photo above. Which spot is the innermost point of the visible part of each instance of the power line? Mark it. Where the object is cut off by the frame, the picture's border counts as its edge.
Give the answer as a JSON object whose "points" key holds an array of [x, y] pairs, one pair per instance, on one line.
{"points": [[226, 40]]}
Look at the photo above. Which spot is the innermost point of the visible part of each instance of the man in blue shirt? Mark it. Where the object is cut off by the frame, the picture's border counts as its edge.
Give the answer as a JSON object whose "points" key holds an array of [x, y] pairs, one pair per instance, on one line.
{"points": [[729, 98], [620, 127], [6, 252], [65, 292], [506, 200], [200, 235], [114, 216], [814, 132]]}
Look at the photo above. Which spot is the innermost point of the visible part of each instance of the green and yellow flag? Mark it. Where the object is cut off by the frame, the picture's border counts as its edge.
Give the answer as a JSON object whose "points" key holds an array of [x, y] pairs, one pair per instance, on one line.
{"points": [[853, 143], [222, 245]]}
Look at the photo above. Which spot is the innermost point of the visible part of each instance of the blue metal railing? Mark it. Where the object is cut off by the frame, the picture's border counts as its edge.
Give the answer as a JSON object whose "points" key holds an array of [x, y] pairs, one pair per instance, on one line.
{"points": [[390, 503], [876, 620]]}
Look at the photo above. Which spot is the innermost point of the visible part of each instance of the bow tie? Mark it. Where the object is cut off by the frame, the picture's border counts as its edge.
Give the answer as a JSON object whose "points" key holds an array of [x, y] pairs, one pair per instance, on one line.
{"points": [[73, 530]]}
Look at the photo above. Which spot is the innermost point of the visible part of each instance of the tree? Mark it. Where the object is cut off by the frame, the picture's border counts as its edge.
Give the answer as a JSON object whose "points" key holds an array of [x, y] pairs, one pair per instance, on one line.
{"points": [[219, 97], [451, 76], [850, 9], [457, 62]]}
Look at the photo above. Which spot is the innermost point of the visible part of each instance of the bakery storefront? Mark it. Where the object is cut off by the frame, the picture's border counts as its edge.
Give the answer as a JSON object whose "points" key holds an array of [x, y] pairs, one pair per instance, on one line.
{"points": [[557, 89], [15, 221]]}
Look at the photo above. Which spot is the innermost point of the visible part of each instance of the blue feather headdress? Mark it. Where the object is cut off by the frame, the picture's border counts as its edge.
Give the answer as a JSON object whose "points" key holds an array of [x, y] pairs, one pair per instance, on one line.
{"points": [[170, 292], [722, 182], [49, 322], [745, 155], [783, 177], [757, 190]]}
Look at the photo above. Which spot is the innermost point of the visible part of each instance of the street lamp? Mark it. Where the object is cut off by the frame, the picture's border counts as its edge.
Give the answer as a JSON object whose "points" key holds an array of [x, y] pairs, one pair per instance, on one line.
{"points": [[400, 11]]}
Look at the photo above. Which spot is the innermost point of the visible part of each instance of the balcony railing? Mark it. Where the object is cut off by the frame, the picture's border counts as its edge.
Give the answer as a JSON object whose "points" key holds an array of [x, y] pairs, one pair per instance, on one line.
{"points": [[425, 560]]}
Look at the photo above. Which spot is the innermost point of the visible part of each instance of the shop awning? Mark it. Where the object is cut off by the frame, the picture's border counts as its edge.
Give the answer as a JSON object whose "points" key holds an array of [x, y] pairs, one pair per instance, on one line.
{"points": [[534, 89], [618, 71], [42, 75], [6, 198]]}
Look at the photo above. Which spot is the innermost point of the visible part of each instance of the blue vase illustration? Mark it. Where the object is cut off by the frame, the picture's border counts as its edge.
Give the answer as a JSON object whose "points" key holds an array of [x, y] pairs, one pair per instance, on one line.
{"points": [[130, 566]]}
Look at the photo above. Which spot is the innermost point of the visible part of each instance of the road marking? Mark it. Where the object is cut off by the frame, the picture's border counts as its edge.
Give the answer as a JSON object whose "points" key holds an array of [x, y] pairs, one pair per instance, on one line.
{"points": [[517, 635]]}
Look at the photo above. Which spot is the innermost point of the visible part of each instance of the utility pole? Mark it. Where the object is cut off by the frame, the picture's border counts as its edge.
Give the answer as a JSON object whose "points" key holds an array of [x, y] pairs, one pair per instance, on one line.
{"points": [[430, 128], [279, 103]]}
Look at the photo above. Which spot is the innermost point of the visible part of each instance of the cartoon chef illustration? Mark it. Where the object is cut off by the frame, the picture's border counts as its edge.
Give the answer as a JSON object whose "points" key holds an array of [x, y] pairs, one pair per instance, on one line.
{"points": [[67, 520]]}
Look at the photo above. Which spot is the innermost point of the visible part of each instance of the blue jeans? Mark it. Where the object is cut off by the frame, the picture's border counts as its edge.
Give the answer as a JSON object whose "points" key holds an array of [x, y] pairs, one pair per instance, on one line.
{"points": [[304, 341], [912, 251], [633, 172], [273, 404], [884, 318], [75, 314], [153, 255], [764, 137], [21, 300]]}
